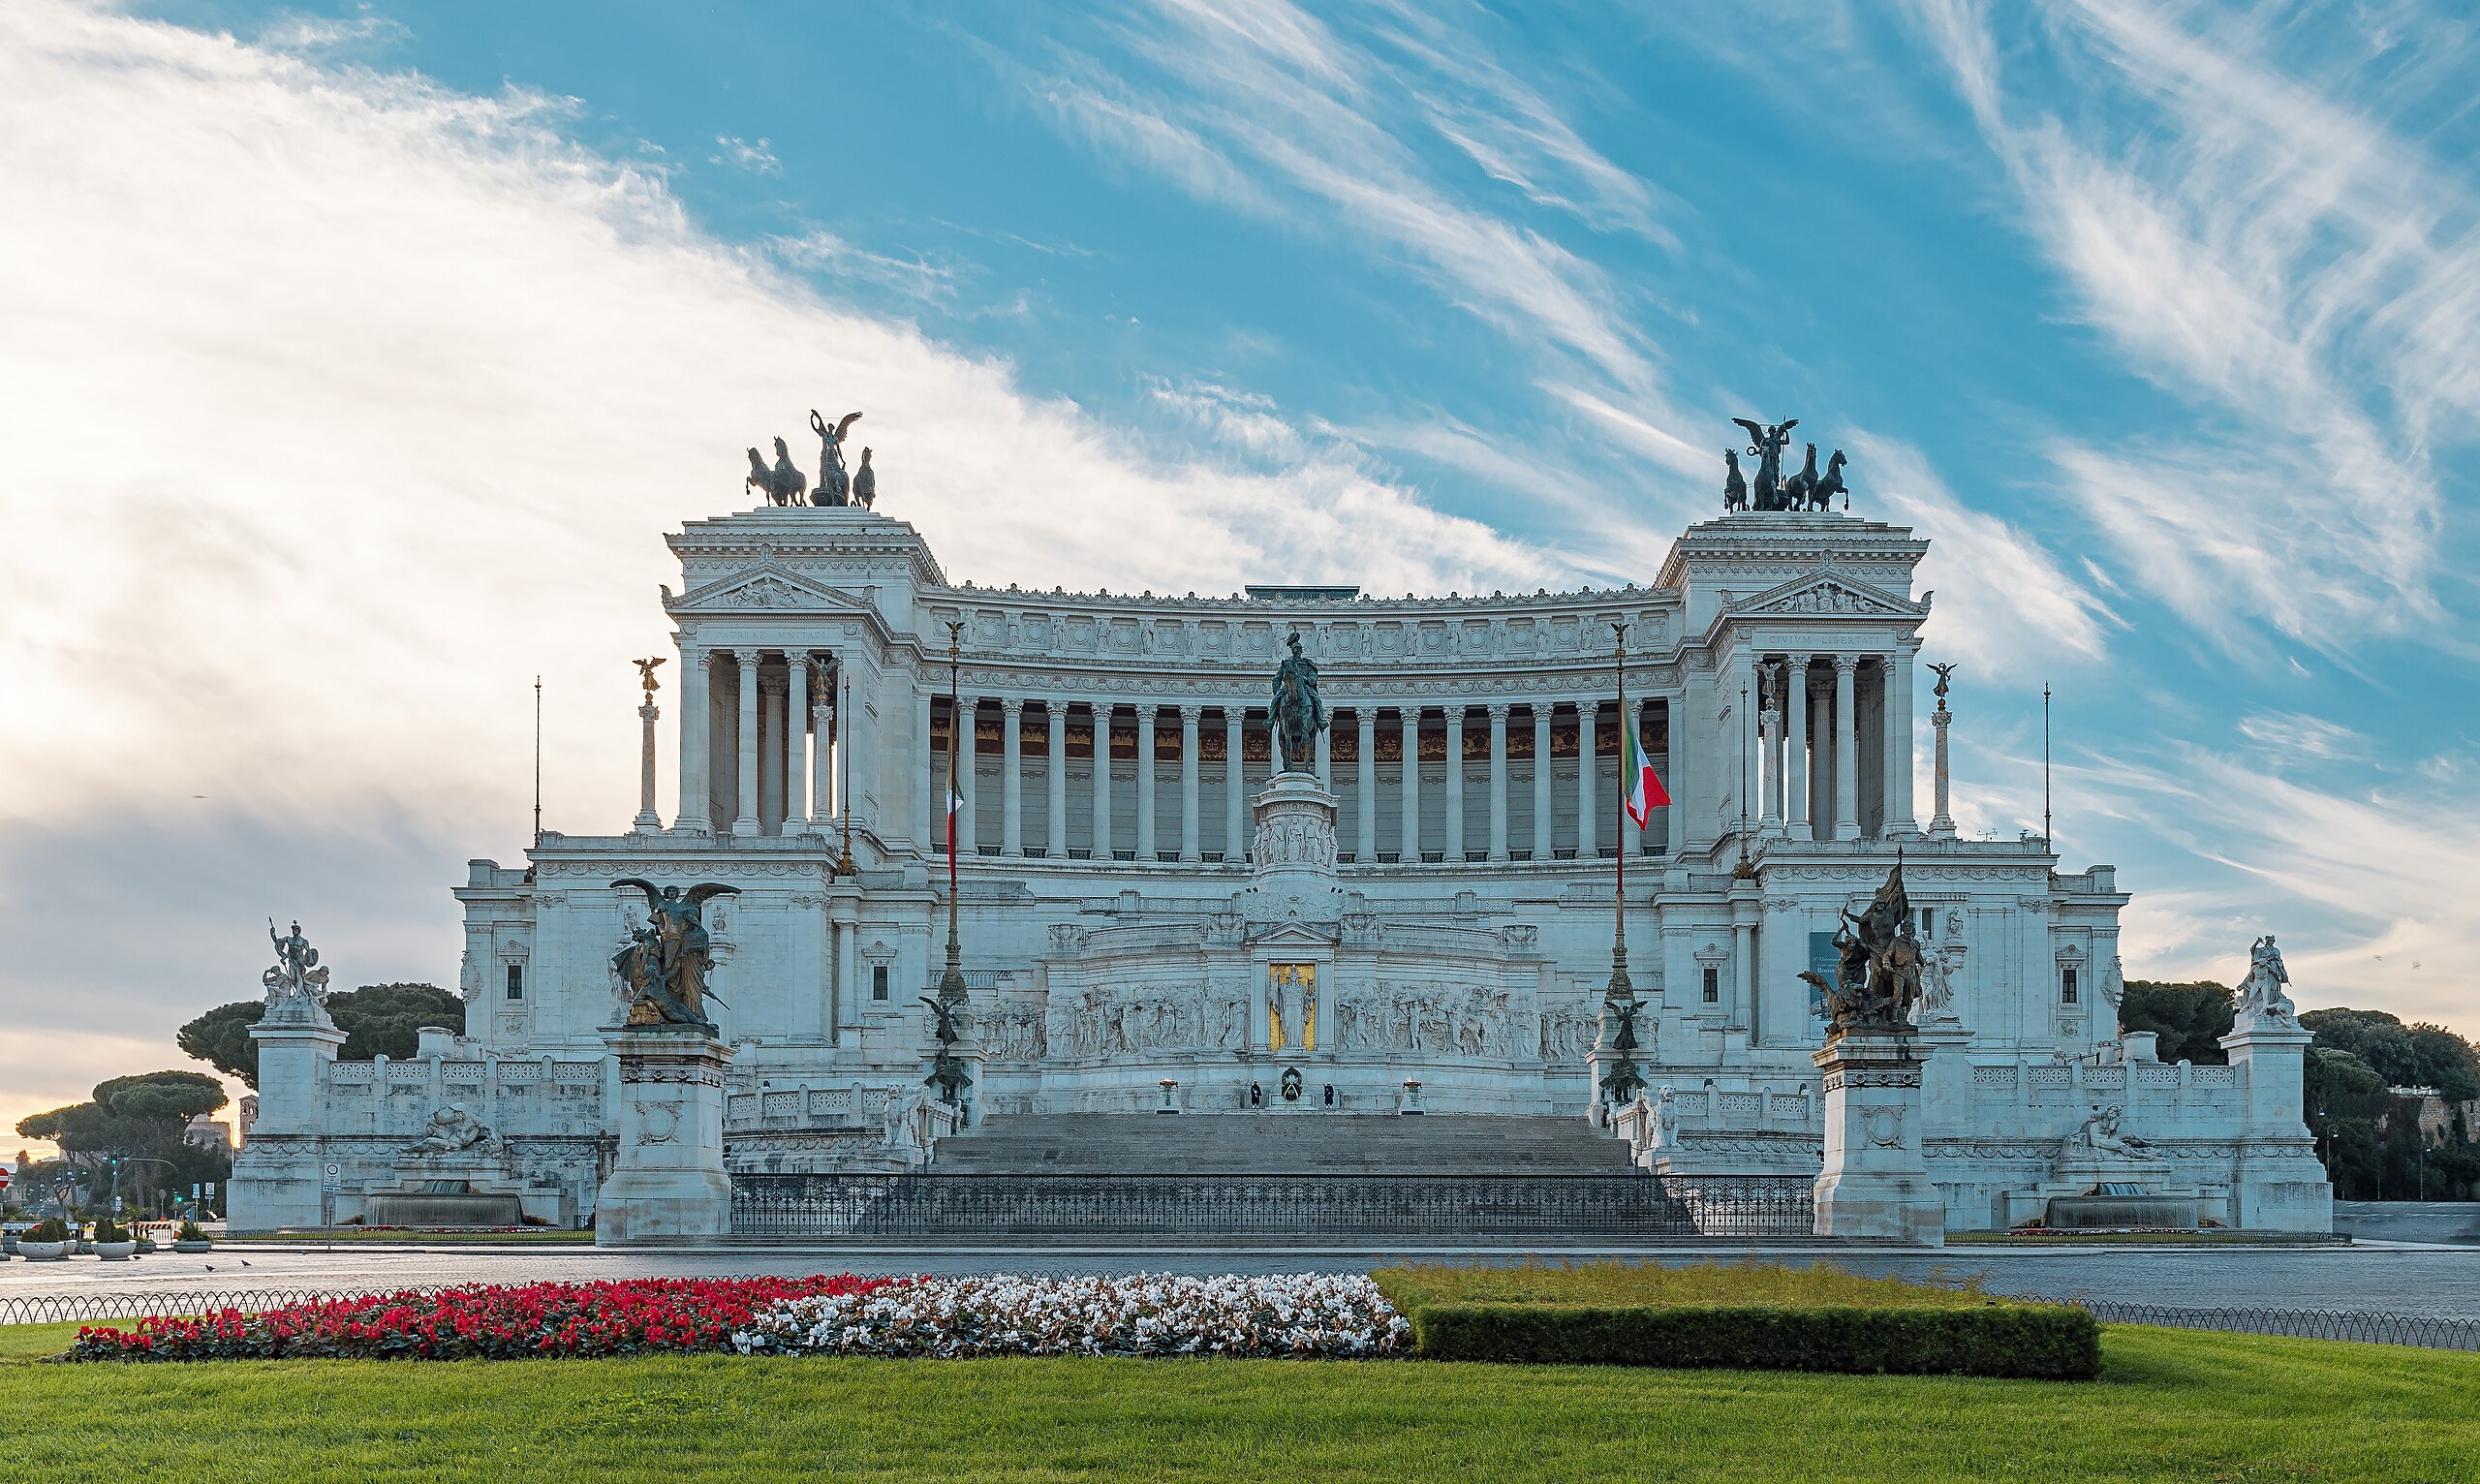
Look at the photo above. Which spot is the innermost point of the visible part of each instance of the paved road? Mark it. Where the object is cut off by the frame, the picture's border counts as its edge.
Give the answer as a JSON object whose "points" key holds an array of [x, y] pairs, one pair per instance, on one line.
{"points": [[2403, 1279]]}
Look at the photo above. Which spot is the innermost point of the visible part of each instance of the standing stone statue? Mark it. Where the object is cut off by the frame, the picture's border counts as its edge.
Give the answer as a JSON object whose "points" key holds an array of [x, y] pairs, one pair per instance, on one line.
{"points": [[666, 961], [1298, 713], [835, 485], [298, 985], [2261, 992]]}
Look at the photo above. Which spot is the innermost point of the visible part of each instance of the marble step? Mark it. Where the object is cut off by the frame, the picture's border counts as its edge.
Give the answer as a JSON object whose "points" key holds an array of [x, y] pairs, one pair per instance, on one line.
{"points": [[1279, 1143]]}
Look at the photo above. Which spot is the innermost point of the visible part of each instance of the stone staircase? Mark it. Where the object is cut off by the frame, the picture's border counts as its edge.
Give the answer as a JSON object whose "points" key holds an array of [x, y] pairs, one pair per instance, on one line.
{"points": [[1279, 1143]]}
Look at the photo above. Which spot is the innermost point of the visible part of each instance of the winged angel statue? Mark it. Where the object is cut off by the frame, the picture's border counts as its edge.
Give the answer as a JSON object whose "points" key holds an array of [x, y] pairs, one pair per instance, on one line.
{"points": [[666, 961]]}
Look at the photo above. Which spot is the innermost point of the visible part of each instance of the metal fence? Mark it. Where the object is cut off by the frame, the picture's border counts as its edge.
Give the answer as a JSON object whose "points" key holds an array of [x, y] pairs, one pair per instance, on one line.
{"points": [[2365, 1325], [101, 1303], [1219, 1207]]}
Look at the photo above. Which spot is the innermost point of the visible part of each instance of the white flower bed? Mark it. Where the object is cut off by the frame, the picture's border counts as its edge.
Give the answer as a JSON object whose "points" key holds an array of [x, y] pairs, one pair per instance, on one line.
{"points": [[1303, 1314]]}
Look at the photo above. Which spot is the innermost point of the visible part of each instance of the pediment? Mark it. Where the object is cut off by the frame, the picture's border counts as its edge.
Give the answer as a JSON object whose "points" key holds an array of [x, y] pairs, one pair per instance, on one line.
{"points": [[765, 588], [1277, 935], [1830, 593]]}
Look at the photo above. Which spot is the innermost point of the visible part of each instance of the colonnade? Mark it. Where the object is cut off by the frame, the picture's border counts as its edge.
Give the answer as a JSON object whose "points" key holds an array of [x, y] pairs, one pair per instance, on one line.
{"points": [[1818, 715], [778, 754], [1473, 821]]}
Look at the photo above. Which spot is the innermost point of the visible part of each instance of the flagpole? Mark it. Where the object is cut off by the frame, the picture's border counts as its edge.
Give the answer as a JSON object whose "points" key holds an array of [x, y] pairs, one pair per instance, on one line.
{"points": [[952, 984], [1619, 986]]}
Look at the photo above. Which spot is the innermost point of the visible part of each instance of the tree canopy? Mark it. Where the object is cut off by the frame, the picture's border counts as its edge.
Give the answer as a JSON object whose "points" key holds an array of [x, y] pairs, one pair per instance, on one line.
{"points": [[2189, 1018], [133, 1115], [2420, 1055], [376, 1019]]}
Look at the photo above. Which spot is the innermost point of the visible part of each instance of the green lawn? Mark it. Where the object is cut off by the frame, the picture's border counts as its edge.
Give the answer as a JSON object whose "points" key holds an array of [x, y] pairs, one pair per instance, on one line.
{"points": [[2171, 1405]]}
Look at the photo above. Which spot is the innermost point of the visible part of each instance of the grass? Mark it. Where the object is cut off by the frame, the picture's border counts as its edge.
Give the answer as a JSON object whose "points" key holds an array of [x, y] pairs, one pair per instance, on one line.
{"points": [[357, 1234], [1632, 1283], [2170, 1404]]}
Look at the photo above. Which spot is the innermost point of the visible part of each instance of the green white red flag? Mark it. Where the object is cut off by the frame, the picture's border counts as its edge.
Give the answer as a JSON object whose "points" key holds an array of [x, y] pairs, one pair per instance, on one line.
{"points": [[1645, 792]]}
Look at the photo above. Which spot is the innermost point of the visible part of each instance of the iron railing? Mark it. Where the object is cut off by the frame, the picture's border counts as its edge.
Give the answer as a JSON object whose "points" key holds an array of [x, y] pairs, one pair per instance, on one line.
{"points": [[1215, 1207], [2368, 1327], [137, 1304]]}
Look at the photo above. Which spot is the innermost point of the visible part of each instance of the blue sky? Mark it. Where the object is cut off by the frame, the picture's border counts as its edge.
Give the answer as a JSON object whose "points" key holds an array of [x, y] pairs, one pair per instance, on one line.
{"points": [[364, 349]]}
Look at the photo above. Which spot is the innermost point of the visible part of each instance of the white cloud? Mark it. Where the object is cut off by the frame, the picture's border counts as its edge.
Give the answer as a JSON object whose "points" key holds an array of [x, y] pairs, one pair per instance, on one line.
{"points": [[347, 405], [840, 263], [758, 159]]}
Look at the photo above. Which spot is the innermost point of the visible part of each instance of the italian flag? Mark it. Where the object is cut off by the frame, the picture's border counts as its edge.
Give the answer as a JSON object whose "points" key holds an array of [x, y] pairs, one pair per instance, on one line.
{"points": [[1645, 792]]}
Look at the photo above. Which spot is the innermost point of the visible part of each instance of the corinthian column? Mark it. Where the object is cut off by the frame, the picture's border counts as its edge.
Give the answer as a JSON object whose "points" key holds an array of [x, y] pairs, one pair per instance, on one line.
{"points": [[1795, 739], [1588, 779], [797, 716], [1101, 780], [1898, 674], [1189, 847], [648, 820], [1411, 831], [1365, 765], [967, 749], [696, 723], [1846, 750], [1055, 818], [1454, 851], [1542, 817], [1146, 716], [1499, 781], [1236, 779], [1012, 775], [745, 818]]}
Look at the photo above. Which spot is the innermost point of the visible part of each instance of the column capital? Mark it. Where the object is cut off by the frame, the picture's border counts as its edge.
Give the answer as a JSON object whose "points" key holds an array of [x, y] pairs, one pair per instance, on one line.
{"points": [[774, 685], [1190, 711], [1499, 711], [708, 655], [1845, 665], [1012, 705]]}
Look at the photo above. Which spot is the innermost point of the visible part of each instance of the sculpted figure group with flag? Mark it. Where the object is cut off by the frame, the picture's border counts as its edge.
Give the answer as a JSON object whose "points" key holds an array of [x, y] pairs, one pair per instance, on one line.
{"points": [[1877, 980]]}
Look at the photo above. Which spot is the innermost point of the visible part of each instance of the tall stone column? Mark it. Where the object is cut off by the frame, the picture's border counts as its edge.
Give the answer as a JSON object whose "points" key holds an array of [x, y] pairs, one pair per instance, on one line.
{"points": [[1875, 1183], [1846, 750], [967, 747], [1190, 848], [1365, 763], [1101, 780], [1675, 780], [745, 817], [771, 771], [1943, 825], [1588, 778], [1499, 781], [669, 1181], [1147, 715], [1744, 924], [1751, 740], [796, 717], [1795, 761], [1541, 811], [1770, 755], [824, 802], [1454, 848], [697, 723], [648, 820], [1012, 775], [1055, 818], [851, 996], [1235, 781], [929, 783], [1898, 820], [1411, 715]]}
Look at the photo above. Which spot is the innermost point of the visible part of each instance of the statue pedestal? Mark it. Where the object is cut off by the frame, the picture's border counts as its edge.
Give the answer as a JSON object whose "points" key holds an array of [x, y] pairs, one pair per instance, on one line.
{"points": [[1875, 1184], [1291, 853], [2281, 1183], [668, 1184]]}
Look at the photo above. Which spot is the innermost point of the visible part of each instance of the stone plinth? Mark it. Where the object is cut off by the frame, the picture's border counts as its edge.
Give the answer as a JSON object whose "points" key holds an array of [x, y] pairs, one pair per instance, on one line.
{"points": [[670, 1183], [278, 1179], [2281, 1183], [1875, 1183], [1291, 854]]}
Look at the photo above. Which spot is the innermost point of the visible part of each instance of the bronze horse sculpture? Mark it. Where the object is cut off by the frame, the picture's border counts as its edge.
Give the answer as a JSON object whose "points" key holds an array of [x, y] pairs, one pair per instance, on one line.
{"points": [[782, 484]]}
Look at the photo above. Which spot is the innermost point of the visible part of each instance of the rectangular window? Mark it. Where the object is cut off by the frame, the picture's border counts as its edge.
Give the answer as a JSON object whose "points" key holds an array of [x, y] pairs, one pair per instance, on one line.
{"points": [[2066, 986], [1712, 985], [878, 981], [516, 981]]}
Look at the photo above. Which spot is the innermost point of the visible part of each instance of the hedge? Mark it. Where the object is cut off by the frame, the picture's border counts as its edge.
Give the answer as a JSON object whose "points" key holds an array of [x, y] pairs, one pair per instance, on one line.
{"points": [[2031, 1341]]}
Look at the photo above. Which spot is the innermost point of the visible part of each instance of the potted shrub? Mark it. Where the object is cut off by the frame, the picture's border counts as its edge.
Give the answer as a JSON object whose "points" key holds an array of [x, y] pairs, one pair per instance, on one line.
{"points": [[112, 1240], [188, 1238], [49, 1242]]}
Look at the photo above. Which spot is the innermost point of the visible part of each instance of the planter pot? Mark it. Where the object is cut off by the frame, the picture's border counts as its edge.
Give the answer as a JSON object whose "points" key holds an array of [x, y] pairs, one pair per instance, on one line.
{"points": [[115, 1252], [43, 1252], [201, 1244], [85, 1247]]}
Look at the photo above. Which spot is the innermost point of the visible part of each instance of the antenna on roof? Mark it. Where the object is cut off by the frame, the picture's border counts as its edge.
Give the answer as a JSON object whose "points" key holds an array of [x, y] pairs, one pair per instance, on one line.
{"points": [[537, 762], [2045, 767]]}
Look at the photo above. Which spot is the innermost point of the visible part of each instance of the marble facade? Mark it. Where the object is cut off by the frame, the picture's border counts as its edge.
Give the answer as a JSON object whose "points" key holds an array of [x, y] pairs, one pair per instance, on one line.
{"points": [[1133, 909]]}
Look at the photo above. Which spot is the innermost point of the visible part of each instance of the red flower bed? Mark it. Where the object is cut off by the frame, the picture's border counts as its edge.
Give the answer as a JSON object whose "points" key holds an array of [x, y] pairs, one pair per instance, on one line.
{"points": [[480, 1321]]}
